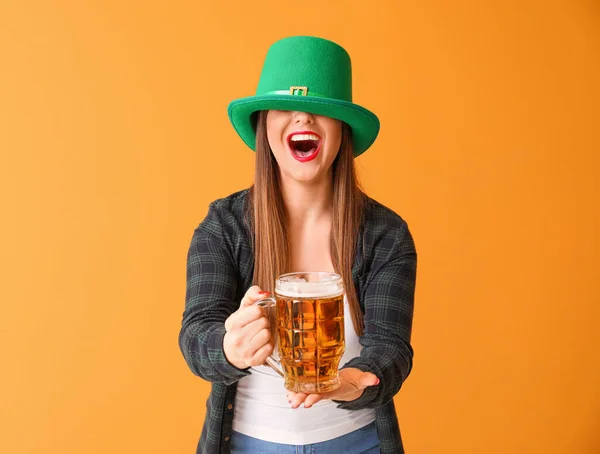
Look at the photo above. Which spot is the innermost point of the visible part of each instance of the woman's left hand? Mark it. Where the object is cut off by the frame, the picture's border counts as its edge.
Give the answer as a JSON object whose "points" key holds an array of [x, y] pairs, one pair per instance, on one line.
{"points": [[352, 385]]}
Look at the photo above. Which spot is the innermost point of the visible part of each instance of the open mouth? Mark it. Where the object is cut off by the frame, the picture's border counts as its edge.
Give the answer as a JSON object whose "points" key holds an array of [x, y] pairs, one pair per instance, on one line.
{"points": [[304, 145]]}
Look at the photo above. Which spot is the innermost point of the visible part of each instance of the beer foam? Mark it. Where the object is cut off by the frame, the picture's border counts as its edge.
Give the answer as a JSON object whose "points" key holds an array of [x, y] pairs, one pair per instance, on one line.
{"points": [[299, 288]]}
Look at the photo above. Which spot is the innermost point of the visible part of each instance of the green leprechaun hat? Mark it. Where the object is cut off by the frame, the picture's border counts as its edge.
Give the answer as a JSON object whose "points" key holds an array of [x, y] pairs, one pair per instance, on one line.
{"points": [[308, 74]]}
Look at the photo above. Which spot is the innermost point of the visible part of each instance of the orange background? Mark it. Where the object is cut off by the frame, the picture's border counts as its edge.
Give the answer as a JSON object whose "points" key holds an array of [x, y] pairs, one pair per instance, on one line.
{"points": [[114, 138]]}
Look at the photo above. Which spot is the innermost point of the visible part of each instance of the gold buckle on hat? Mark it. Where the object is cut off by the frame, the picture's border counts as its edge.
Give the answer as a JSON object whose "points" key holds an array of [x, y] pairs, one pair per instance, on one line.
{"points": [[302, 90]]}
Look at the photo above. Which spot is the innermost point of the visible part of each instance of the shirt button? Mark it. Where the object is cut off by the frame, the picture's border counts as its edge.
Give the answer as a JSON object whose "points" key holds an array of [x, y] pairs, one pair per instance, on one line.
{"points": [[227, 438], [229, 407]]}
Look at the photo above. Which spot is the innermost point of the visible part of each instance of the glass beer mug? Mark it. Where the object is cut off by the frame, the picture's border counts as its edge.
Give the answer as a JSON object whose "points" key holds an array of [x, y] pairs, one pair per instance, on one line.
{"points": [[307, 324]]}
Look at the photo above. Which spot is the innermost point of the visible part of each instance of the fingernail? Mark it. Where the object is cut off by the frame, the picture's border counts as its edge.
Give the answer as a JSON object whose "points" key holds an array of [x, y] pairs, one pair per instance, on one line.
{"points": [[264, 293]]}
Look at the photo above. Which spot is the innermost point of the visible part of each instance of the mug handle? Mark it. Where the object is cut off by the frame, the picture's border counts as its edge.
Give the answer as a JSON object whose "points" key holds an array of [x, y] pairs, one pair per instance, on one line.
{"points": [[269, 304]]}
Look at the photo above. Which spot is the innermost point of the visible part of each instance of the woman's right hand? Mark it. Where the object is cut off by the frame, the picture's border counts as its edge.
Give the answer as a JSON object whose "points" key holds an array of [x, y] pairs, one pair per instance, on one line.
{"points": [[246, 342]]}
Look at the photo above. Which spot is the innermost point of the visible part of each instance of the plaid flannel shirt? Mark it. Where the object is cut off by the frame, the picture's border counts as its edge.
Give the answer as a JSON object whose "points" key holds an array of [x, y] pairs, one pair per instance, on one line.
{"points": [[220, 269]]}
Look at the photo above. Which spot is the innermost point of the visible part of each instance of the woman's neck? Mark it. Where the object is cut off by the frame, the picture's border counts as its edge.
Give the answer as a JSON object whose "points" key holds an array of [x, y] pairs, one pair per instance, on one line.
{"points": [[307, 202]]}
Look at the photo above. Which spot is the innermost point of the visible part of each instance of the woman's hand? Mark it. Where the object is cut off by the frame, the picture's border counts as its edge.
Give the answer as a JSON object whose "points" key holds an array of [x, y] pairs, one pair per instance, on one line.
{"points": [[352, 385], [246, 342]]}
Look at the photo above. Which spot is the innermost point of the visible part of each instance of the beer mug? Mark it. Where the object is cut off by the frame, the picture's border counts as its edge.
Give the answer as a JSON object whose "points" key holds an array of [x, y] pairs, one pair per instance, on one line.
{"points": [[307, 324]]}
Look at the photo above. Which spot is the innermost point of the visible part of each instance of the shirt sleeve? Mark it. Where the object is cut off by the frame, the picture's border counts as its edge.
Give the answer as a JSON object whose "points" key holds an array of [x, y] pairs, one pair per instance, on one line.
{"points": [[212, 282], [388, 302]]}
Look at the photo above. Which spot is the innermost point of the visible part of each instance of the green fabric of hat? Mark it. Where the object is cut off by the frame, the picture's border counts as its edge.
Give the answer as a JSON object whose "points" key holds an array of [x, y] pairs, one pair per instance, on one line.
{"points": [[308, 74]]}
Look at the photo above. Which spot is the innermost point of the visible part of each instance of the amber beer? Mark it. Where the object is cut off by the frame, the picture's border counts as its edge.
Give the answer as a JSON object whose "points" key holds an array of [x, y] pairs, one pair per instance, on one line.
{"points": [[310, 330]]}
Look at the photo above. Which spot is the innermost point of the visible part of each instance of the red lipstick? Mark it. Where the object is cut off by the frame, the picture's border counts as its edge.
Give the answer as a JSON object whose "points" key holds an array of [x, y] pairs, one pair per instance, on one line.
{"points": [[304, 149]]}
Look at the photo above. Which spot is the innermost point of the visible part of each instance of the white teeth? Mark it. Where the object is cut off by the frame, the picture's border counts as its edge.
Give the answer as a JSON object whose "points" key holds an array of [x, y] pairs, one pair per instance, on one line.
{"points": [[296, 137]]}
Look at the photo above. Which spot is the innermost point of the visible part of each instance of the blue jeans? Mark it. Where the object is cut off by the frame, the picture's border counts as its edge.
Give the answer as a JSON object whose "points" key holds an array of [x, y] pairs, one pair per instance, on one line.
{"points": [[363, 440]]}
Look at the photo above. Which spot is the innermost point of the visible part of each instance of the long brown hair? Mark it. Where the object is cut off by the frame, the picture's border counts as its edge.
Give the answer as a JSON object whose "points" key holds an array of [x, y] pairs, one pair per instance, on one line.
{"points": [[269, 219]]}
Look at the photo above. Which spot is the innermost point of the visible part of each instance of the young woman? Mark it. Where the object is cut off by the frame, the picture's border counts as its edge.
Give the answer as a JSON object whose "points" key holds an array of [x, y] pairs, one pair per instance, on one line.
{"points": [[305, 212]]}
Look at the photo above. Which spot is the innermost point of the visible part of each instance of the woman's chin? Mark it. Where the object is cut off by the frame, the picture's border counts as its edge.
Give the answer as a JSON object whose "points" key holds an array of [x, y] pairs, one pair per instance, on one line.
{"points": [[304, 175]]}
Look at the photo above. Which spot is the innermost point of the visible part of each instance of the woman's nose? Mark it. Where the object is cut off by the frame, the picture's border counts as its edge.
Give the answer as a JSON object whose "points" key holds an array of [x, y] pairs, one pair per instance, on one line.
{"points": [[303, 117]]}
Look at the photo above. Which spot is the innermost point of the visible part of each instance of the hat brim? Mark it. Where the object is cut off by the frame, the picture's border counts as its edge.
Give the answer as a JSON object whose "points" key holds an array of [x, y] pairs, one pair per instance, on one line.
{"points": [[364, 123]]}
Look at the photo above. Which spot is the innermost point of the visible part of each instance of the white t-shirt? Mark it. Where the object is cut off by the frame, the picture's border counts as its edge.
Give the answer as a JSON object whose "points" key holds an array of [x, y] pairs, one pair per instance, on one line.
{"points": [[262, 411]]}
